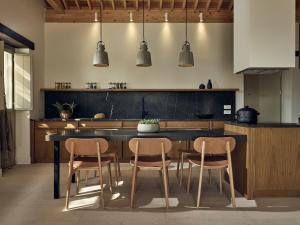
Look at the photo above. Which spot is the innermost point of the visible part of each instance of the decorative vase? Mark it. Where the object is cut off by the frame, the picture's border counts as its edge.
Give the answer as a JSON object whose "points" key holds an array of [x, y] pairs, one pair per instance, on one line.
{"points": [[148, 128], [202, 86], [209, 84], [65, 114]]}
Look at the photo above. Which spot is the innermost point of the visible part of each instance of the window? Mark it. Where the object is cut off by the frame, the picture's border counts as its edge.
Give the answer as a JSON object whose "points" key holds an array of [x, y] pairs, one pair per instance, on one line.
{"points": [[8, 79], [22, 80]]}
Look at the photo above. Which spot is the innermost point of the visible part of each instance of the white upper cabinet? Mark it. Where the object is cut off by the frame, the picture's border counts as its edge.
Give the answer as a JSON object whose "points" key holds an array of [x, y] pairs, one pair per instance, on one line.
{"points": [[264, 35]]}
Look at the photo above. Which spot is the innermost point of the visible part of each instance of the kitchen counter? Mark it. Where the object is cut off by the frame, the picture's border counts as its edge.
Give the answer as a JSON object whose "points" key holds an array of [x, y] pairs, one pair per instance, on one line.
{"points": [[269, 164], [120, 119], [264, 125]]}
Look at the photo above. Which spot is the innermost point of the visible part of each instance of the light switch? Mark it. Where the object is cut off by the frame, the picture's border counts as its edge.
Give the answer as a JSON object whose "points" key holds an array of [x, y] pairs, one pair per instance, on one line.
{"points": [[227, 106], [227, 112]]}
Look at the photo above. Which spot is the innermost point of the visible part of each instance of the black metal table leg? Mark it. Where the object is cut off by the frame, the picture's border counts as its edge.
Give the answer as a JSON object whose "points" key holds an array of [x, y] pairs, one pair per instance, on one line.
{"points": [[56, 169]]}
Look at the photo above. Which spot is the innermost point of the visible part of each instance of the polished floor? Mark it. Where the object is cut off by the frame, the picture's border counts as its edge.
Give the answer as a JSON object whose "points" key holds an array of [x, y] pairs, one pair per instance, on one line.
{"points": [[26, 198]]}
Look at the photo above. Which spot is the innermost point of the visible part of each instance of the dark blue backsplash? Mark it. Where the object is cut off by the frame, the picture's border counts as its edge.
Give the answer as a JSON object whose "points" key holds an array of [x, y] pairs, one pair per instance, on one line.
{"points": [[128, 104]]}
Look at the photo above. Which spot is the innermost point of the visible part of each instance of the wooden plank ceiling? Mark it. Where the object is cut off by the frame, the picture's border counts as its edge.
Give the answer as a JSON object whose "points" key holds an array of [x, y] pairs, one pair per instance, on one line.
{"points": [[118, 10]]}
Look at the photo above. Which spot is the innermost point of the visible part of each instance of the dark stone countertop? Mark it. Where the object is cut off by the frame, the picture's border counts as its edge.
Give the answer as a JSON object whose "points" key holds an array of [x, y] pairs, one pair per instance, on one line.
{"points": [[127, 134], [265, 125]]}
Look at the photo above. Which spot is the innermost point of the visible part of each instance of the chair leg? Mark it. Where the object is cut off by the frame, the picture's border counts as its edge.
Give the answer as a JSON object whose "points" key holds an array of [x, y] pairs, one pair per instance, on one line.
{"points": [[118, 163], [181, 170], [116, 171], [189, 177], [178, 164], [168, 180], [86, 177], [231, 185], [221, 180], [200, 185], [77, 181], [134, 170], [68, 188], [101, 186], [209, 176], [166, 186], [110, 178]]}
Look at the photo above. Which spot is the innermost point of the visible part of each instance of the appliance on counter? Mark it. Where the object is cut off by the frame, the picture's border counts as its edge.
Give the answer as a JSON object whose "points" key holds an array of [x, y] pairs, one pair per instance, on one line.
{"points": [[247, 115]]}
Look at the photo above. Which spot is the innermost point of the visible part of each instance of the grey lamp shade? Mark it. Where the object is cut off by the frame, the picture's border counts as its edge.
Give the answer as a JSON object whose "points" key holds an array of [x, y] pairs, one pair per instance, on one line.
{"points": [[186, 58], [143, 58], [101, 57]]}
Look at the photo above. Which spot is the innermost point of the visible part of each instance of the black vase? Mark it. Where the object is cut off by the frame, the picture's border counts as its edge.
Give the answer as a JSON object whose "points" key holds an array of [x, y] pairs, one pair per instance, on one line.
{"points": [[201, 86], [209, 84]]}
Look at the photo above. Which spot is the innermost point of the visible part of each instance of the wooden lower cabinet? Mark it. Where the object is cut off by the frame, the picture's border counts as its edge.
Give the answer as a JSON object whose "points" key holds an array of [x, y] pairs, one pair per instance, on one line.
{"points": [[43, 150]]}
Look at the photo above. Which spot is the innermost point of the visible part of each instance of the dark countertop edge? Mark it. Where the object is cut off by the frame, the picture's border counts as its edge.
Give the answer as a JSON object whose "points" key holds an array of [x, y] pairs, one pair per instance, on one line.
{"points": [[123, 136], [91, 119], [264, 125]]}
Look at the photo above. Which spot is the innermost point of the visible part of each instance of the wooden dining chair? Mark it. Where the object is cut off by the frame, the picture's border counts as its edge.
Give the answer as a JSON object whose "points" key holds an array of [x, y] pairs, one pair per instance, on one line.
{"points": [[82, 157], [215, 153], [150, 154], [115, 160]]}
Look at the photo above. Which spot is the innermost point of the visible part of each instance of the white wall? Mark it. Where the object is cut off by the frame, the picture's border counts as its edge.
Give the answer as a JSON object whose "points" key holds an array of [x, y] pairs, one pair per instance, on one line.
{"points": [[70, 47], [27, 18]]}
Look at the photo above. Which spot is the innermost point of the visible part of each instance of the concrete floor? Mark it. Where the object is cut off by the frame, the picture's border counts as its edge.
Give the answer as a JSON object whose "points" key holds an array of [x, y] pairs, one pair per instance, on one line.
{"points": [[26, 198]]}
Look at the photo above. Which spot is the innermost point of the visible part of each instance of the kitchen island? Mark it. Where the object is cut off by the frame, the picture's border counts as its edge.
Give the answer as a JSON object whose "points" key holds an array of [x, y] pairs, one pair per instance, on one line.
{"points": [[268, 164], [125, 135]]}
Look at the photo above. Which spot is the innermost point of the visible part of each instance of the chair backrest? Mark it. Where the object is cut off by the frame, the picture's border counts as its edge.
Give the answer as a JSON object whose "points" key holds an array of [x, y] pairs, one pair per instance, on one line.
{"points": [[214, 145], [86, 147], [150, 146]]}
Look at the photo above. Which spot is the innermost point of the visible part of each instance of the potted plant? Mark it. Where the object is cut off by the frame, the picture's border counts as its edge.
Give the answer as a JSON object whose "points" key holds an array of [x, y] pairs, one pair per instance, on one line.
{"points": [[65, 110], [148, 125]]}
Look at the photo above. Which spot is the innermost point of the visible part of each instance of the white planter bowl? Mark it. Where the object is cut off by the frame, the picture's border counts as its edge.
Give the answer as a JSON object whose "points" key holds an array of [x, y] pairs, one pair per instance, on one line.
{"points": [[148, 128]]}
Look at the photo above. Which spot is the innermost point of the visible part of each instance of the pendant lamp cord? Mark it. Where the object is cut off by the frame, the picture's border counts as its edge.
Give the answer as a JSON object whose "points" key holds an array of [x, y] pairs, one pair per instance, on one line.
{"points": [[143, 21], [185, 20], [100, 23]]}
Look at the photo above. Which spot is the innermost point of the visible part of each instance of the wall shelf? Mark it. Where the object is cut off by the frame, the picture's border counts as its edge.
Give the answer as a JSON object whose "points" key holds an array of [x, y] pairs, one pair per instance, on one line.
{"points": [[138, 90]]}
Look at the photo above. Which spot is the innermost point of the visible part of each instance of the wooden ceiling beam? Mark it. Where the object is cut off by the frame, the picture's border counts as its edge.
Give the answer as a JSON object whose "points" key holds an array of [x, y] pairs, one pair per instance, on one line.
{"points": [[113, 4], [184, 4], [172, 4], [153, 16], [149, 4], [125, 4], [136, 4], [56, 5], [220, 3], [230, 6], [160, 4], [196, 4], [207, 5], [77, 4], [65, 4], [89, 4]]}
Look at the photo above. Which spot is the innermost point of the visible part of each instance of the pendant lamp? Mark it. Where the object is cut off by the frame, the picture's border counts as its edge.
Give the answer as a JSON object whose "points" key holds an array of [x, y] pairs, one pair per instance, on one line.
{"points": [[144, 56], [186, 58], [101, 57]]}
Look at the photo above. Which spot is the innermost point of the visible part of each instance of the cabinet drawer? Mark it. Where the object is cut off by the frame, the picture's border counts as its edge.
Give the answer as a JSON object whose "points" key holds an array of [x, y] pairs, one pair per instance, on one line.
{"points": [[100, 124], [217, 124], [56, 124], [188, 124], [130, 124]]}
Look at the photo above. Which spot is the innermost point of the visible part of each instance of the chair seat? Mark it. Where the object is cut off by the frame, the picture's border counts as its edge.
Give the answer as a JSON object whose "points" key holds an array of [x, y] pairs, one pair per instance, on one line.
{"points": [[89, 162], [209, 161], [150, 161]]}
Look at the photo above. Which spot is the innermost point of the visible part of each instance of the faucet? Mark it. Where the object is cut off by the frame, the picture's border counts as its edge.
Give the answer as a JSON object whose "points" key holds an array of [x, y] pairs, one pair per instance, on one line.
{"points": [[144, 113]]}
